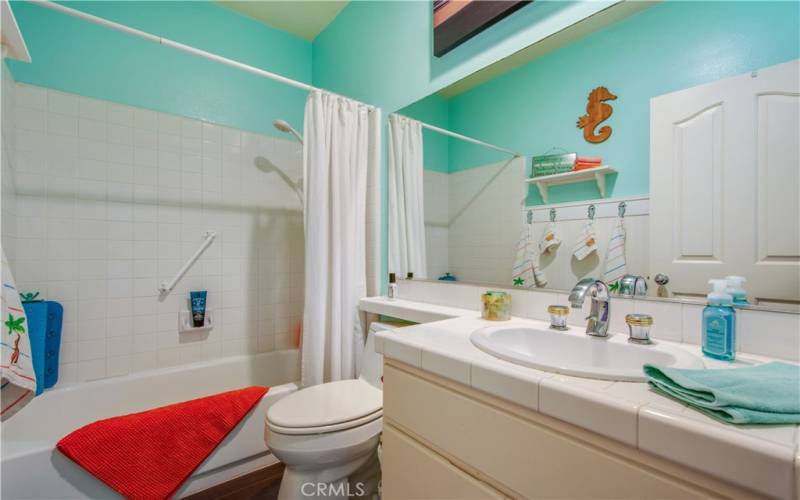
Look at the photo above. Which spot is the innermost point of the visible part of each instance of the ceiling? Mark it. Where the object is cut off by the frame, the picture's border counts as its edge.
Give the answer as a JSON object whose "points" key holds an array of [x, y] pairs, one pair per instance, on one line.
{"points": [[304, 18]]}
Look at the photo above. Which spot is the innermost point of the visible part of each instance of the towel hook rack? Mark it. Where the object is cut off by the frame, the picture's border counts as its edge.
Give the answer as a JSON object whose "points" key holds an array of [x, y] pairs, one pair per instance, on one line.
{"points": [[591, 211], [621, 209], [552, 215]]}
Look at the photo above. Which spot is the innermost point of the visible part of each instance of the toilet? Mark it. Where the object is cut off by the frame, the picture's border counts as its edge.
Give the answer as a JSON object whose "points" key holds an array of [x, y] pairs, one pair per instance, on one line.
{"points": [[327, 435]]}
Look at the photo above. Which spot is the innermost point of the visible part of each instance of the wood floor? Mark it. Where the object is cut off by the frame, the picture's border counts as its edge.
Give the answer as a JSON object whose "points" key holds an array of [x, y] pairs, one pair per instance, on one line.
{"points": [[262, 484]]}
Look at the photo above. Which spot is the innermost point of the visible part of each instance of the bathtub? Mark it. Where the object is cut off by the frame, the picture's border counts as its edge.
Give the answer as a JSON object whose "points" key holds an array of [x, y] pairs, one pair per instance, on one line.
{"points": [[31, 467]]}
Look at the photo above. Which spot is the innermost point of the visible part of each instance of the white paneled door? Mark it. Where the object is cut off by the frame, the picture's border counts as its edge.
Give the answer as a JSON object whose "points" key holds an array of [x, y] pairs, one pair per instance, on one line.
{"points": [[725, 183]]}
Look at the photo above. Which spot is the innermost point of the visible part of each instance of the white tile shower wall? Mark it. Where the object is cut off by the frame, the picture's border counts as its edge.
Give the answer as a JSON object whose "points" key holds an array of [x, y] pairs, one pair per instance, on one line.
{"points": [[485, 220], [112, 200], [8, 195], [773, 334], [437, 217]]}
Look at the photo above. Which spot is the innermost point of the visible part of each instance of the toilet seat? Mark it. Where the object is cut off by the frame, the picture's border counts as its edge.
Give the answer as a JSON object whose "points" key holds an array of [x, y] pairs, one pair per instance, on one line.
{"points": [[329, 407], [294, 431]]}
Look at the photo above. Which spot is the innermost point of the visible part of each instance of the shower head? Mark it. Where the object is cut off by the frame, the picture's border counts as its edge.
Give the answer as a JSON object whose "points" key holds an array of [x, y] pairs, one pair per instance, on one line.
{"points": [[283, 126]]}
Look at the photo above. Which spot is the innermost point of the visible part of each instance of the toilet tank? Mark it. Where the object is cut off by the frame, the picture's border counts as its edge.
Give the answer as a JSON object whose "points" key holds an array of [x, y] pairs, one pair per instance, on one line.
{"points": [[371, 361]]}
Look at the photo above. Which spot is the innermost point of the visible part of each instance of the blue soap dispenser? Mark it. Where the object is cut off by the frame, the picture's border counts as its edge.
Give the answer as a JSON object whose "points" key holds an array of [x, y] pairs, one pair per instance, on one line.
{"points": [[719, 323], [736, 290]]}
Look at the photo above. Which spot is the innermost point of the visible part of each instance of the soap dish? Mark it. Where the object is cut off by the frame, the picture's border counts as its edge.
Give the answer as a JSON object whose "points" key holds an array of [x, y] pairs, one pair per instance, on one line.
{"points": [[185, 324]]}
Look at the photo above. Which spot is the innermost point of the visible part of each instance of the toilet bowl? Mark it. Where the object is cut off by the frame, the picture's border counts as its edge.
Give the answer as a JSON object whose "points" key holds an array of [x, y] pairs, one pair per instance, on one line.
{"points": [[327, 435]]}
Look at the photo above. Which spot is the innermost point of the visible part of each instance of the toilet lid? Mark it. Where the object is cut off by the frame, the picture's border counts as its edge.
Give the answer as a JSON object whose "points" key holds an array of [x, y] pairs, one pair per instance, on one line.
{"points": [[326, 405]]}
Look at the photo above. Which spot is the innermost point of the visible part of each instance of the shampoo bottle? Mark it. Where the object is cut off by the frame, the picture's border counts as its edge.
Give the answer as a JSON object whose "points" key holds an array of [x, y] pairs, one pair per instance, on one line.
{"points": [[719, 323], [392, 286], [736, 290], [198, 303]]}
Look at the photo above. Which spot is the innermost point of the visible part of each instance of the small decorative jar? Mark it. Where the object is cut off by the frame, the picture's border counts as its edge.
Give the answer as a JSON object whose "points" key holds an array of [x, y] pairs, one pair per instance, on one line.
{"points": [[639, 328], [558, 317], [496, 306]]}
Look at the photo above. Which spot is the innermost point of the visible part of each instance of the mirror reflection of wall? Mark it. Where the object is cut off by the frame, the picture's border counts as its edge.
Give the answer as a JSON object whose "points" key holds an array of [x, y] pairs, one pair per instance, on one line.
{"points": [[479, 221], [530, 103]]}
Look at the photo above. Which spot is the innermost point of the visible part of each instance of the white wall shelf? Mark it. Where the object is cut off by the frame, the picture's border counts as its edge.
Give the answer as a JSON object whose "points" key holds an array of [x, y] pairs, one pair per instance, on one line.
{"points": [[598, 174]]}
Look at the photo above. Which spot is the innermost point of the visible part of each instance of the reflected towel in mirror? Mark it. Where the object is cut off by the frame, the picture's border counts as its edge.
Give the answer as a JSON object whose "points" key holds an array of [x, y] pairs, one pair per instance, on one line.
{"points": [[526, 272], [550, 241], [587, 243], [616, 266]]}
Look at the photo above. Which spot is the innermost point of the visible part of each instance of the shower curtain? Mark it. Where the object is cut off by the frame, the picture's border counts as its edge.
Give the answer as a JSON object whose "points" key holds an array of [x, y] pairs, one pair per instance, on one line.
{"points": [[341, 161], [406, 200]]}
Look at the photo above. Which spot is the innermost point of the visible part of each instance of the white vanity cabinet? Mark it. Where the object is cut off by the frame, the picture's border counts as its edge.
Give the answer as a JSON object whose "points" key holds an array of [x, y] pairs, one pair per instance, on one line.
{"points": [[445, 440]]}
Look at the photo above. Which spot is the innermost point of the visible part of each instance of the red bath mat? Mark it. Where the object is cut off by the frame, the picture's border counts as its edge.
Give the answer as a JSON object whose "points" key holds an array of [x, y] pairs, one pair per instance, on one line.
{"points": [[148, 455]]}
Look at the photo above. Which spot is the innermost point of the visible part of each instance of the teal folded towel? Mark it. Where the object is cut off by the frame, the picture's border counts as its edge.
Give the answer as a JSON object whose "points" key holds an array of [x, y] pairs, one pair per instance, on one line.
{"points": [[763, 394]]}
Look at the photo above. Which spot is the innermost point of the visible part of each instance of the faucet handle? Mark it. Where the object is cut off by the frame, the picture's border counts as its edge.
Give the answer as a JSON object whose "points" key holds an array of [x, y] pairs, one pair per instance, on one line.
{"points": [[639, 328]]}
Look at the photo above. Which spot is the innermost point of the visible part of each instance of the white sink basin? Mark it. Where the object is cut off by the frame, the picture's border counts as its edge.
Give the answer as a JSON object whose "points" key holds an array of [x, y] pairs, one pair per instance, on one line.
{"points": [[578, 354]]}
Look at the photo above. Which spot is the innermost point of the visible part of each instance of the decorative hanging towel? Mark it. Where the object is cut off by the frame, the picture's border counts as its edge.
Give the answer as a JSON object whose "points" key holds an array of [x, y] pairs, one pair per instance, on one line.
{"points": [[17, 377], [549, 242], [615, 267], [587, 242], [526, 272]]}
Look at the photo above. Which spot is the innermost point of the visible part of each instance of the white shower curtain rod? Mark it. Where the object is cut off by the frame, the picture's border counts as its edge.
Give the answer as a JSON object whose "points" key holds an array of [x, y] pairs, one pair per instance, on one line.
{"points": [[461, 136], [182, 47]]}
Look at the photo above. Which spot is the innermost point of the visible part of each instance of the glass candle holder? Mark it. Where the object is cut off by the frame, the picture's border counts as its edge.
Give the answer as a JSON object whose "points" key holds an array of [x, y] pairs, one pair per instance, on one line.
{"points": [[496, 306]]}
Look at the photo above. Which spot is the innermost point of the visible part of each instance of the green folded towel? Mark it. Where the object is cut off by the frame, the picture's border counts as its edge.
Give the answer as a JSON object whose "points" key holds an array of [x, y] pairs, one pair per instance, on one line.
{"points": [[763, 394]]}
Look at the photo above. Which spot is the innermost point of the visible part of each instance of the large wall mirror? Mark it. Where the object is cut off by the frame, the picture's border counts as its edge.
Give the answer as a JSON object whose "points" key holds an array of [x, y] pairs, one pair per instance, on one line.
{"points": [[696, 178]]}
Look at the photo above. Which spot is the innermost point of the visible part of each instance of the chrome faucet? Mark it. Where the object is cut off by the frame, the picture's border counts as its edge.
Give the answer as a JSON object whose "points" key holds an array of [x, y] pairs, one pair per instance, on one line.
{"points": [[599, 315], [632, 286]]}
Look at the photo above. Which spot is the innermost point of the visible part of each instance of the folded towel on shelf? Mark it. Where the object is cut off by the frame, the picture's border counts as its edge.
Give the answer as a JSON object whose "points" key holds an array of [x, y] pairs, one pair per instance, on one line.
{"points": [[587, 243], [763, 394], [586, 162], [550, 241], [148, 455], [615, 266], [526, 272], [17, 374]]}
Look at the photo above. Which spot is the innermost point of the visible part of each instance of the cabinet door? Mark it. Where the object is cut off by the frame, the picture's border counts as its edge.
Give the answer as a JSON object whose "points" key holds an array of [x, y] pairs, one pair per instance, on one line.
{"points": [[724, 182], [412, 471]]}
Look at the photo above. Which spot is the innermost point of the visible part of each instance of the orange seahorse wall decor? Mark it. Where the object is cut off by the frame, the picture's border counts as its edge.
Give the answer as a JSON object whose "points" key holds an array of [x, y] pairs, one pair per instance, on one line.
{"points": [[597, 112]]}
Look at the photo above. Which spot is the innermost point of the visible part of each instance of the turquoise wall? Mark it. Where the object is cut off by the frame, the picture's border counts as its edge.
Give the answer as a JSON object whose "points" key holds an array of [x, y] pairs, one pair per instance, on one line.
{"points": [[671, 46], [381, 52], [434, 110], [79, 57]]}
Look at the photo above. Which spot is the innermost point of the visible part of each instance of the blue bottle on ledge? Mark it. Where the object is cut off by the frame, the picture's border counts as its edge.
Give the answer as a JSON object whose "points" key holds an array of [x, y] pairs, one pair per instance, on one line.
{"points": [[719, 323]]}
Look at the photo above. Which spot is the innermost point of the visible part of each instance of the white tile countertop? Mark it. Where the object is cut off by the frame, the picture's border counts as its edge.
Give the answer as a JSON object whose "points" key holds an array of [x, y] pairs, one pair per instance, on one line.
{"points": [[763, 458]]}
